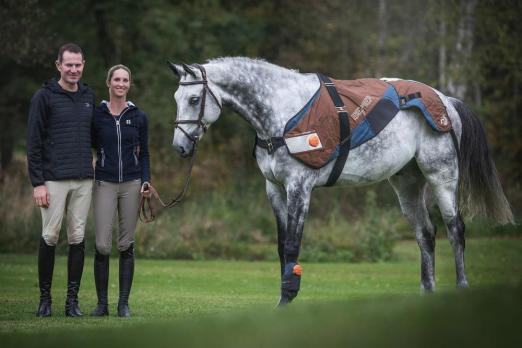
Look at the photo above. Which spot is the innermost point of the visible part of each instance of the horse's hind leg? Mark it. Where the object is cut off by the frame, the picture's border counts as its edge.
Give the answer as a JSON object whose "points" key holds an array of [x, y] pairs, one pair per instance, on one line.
{"points": [[438, 161], [445, 194], [409, 185]]}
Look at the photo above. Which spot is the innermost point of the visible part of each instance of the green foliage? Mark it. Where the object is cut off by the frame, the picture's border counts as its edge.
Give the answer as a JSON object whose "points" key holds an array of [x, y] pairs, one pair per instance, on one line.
{"points": [[336, 237], [238, 224], [229, 227]]}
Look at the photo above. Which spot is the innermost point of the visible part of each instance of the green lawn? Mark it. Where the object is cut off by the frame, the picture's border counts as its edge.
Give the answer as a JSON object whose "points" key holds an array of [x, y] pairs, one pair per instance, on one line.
{"points": [[230, 304]]}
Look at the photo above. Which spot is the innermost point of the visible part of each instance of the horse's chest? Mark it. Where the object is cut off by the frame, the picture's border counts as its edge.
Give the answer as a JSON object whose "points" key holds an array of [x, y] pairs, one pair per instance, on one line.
{"points": [[272, 167]]}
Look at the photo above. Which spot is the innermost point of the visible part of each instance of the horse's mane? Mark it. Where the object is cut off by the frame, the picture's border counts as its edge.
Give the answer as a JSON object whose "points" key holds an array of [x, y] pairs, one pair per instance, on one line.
{"points": [[248, 62]]}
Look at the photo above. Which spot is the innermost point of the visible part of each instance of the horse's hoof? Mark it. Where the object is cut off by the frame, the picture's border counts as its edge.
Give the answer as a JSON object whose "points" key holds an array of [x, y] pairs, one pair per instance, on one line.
{"points": [[463, 285], [287, 296], [283, 301], [427, 288]]}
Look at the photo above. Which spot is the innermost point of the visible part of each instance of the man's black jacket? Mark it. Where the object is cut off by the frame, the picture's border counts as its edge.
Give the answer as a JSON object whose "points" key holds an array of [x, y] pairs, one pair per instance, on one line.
{"points": [[59, 134]]}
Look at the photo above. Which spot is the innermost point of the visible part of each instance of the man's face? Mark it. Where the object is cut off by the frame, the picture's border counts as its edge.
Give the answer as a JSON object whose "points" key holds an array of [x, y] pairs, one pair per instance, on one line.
{"points": [[71, 67]]}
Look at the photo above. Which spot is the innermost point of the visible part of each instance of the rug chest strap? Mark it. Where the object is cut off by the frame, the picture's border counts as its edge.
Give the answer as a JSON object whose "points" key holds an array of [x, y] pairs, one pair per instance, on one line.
{"points": [[344, 123], [270, 144]]}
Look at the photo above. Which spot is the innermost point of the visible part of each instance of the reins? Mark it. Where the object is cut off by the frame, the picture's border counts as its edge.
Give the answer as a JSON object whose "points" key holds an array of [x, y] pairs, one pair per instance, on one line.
{"points": [[146, 212]]}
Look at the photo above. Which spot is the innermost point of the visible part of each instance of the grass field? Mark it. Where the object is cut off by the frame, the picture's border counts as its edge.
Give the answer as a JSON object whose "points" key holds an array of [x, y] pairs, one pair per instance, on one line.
{"points": [[230, 304]]}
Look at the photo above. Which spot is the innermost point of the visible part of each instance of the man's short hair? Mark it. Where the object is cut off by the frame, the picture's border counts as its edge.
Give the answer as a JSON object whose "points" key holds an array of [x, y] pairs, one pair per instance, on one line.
{"points": [[69, 47]]}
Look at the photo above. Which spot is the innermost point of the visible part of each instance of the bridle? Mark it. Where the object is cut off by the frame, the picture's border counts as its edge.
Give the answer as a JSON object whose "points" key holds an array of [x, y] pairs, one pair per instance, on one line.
{"points": [[148, 216], [199, 122]]}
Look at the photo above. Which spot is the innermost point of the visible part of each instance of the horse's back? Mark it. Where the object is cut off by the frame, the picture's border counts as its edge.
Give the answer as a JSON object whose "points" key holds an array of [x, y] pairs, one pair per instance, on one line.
{"points": [[404, 138]]}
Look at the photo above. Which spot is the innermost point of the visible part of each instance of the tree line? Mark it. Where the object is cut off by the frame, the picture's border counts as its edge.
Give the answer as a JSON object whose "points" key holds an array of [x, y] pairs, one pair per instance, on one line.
{"points": [[469, 49]]}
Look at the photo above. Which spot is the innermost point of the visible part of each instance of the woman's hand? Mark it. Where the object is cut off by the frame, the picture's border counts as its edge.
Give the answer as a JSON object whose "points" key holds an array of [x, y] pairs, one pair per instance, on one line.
{"points": [[145, 190]]}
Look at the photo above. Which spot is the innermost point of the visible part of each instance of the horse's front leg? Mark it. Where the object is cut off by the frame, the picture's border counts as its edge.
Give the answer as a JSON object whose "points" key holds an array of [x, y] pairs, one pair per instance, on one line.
{"points": [[277, 196], [298, 201]]}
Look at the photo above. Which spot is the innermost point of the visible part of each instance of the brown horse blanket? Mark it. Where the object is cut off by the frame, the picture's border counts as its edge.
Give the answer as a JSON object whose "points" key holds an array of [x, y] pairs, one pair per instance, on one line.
{"points": [[312, 135]]}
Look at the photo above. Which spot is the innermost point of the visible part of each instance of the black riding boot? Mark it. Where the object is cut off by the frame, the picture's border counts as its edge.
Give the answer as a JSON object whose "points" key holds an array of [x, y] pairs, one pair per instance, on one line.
{"points": [[45, 277], [126, 275], [101, 278], [74, 277]]}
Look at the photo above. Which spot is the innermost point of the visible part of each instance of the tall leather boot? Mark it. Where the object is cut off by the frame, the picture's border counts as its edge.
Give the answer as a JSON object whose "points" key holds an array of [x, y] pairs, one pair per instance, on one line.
{"points": [[101, 278], [126, 275], [45, 277], [74, 277]]}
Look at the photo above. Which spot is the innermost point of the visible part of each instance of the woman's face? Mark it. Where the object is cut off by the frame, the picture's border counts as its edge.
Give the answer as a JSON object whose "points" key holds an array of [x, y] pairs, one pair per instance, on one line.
{"points": [[119, 84]]}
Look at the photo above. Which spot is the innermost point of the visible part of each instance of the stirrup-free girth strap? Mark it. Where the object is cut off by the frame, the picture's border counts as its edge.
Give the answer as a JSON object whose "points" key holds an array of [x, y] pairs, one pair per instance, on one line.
{"points": [[344, 124]]}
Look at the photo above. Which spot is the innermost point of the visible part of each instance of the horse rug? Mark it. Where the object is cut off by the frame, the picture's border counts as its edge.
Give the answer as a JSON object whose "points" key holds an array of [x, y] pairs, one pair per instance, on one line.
{"points": [[313, 135]]}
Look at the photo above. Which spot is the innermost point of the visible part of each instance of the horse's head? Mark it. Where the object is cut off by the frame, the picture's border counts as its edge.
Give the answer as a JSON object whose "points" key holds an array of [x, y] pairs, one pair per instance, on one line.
{"points": [[197, 107]]}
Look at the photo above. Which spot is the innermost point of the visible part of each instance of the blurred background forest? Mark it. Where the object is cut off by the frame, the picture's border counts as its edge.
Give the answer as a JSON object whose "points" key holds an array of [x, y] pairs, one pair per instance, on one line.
{"points": [[467, 49]]}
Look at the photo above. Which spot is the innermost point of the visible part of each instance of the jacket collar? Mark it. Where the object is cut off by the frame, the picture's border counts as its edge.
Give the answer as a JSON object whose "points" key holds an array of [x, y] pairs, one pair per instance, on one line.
{"points": [[54, 86], [104, 106]]}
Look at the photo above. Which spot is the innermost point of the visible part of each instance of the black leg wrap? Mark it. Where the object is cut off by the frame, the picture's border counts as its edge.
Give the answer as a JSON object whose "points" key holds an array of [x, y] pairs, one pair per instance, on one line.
{"points": [[101, 278], [45, 277], [74, 277], [126, 276], [291, 283]]}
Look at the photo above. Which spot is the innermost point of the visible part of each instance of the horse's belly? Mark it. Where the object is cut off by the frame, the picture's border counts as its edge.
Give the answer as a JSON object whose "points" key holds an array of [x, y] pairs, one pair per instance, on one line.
{"points": [[385, 154]]}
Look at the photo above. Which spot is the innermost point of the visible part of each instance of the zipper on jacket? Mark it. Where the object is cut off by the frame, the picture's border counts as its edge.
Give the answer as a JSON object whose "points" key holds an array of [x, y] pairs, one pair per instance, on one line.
{"points": [[135, 156], [103, 157], [118, 132]]}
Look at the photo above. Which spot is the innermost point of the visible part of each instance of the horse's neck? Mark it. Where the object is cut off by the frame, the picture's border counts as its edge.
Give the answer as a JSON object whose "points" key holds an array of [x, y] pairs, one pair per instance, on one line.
{"points": [[265, 97]]}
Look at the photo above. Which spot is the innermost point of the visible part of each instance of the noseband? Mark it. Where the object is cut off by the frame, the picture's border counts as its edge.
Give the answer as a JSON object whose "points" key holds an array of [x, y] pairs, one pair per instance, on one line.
{"points": [[199, 122]]}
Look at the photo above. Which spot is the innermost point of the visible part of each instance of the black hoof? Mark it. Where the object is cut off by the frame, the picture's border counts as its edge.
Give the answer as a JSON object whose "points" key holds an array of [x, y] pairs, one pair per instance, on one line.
{"points": [[286, 298]]}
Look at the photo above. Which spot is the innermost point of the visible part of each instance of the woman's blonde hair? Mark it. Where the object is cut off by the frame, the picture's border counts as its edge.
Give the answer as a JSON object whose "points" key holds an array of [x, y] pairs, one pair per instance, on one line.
{"points": [[117, 67]]}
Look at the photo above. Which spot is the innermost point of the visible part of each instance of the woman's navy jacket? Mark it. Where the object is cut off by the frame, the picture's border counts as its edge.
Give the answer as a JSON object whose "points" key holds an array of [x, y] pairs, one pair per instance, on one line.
{"points": [[121, 144]]}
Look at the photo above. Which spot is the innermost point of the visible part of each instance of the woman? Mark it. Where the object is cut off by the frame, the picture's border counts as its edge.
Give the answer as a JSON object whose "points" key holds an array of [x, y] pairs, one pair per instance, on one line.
{"points": [[121, 174]]}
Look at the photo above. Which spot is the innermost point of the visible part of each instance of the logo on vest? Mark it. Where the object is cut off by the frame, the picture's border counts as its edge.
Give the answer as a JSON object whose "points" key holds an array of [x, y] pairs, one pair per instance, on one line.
{"points": [[361, 110], [87, 105], [128, 122]]}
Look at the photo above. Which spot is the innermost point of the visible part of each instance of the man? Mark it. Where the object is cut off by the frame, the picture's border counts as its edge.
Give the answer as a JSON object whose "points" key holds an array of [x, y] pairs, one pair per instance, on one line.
{"points": [[60, 168]]}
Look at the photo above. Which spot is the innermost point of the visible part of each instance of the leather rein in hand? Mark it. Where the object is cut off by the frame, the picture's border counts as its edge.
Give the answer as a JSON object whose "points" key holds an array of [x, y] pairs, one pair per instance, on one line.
{"points": [[146, 212]]}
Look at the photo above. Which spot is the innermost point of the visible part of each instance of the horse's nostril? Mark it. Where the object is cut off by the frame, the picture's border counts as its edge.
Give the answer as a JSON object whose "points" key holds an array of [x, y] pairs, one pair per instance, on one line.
{"points": [[181, 150]]}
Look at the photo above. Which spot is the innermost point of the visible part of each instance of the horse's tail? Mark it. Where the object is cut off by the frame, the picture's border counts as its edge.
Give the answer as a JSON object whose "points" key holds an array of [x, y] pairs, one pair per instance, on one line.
{"points": [[480, 191]]}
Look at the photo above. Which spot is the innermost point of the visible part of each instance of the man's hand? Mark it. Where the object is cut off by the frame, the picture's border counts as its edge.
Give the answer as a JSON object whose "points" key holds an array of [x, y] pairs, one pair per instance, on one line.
{"points": [[41, 196]]}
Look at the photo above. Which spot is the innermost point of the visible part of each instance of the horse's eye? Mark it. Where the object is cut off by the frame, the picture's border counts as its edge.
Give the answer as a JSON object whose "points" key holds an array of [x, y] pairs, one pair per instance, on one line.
{"points": [[193, 100]]}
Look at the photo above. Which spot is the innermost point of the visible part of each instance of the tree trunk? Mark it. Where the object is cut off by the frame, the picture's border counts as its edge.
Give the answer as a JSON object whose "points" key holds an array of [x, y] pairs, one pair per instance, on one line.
{"points": [[442, 54], [381, 42], [457, 81], [105, 42]]}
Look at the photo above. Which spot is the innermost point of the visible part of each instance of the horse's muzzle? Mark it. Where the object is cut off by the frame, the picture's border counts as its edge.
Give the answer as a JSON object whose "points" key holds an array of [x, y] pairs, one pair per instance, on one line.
{"points": [[184, 153]]}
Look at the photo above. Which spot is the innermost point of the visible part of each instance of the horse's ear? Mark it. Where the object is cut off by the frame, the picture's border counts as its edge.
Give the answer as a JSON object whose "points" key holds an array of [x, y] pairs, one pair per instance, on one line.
{"points": [[176, 69], [188, 69]]}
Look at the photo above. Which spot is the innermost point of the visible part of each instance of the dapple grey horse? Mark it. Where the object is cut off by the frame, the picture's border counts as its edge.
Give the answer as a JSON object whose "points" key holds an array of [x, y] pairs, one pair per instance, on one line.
{"points": [[407, 153]]}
